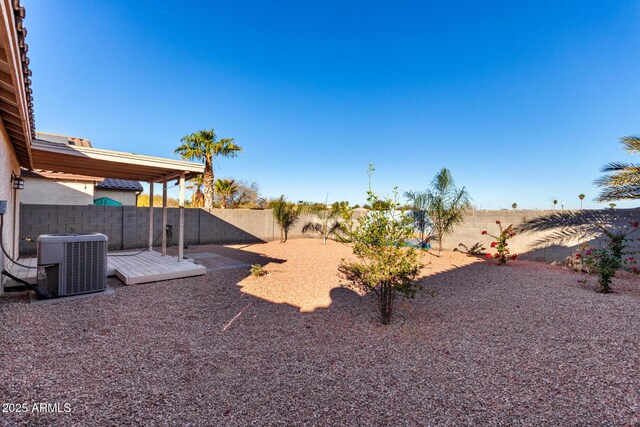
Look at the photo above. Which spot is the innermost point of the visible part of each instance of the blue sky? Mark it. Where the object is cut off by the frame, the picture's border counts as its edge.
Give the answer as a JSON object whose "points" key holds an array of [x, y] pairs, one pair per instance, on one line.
{"points": [[523, 101]]}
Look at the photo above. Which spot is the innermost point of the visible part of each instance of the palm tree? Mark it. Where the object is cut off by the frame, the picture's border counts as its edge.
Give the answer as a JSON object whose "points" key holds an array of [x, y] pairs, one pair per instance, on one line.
{"points": [[419, 207], [326, 224], [197, 197], [514, 206], [623, 179], [204, 145], [612, 205], [286, 215], [226, 189], [446, 205], [555, 202], [581, 197]]}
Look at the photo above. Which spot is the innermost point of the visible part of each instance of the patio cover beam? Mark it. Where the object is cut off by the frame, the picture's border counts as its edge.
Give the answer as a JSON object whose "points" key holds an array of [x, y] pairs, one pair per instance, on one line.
{"points": [[164, 217], [52, 156], [181, 225], [151, 217]]}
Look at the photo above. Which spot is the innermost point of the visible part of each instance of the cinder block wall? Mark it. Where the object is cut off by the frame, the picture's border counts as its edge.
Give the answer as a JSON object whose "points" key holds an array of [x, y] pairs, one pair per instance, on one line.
{"points": [[524, 245], [127, 227]]}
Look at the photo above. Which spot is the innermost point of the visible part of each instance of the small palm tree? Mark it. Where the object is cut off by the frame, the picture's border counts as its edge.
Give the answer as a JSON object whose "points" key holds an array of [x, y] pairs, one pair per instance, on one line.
{"points": [[623, 181], [286, 215], [514, 206], [226, 188], [555, 202], [581, 197], [204, 145], [326, 223], [612, 205], [419, 212], [447, 205]]}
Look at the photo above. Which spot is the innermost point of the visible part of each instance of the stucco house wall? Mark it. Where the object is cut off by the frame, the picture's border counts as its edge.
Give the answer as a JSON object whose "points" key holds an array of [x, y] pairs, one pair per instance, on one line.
{"points": [[127, 198], [38, 191], [8, 165]]}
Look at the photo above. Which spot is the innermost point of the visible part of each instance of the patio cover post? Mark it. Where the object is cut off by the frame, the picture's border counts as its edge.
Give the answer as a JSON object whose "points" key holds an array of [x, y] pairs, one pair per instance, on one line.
{"points": [[181, 231], [164, 217], [150, 216]]}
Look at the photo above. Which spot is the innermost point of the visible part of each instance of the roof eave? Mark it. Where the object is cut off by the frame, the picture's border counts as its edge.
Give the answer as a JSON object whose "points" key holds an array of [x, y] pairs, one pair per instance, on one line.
{"points": [[16, 100]]}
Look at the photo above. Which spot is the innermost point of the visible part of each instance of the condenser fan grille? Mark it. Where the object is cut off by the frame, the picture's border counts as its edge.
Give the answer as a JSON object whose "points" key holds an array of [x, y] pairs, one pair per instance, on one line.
{"points": [[84, 265]]}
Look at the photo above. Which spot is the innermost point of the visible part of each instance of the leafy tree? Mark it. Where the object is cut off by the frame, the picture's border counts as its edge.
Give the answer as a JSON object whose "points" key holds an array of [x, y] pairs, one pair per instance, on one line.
{"points": [[623, 179], [384, 266], [143, 201], [205, 146], [380, 205], [555, 202], [286, 215], [419, 212], [581, 197], [246, 196], [447, 205], [226, 188], [514, 206], [612, 205], [327, 223]]}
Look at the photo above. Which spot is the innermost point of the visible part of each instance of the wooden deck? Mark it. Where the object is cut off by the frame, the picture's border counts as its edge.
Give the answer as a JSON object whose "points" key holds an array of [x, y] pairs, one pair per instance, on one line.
{"points": [[131, 270], [151, 267]]}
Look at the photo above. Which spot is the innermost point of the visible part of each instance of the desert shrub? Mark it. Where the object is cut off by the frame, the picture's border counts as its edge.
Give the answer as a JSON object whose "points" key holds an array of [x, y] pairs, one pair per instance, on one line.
{"points": [[583, 260], [476, 249], [384, 266], [617, 252], [500, 244], [257, 270], [607, 260]]}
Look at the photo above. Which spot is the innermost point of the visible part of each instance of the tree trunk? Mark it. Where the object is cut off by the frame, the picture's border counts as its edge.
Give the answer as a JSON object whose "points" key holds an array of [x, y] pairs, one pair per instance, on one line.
{"points": [[386, 304], [207, 180], [281, 234], [439, 244], [223, 201], [286, 232], [199, 202]]}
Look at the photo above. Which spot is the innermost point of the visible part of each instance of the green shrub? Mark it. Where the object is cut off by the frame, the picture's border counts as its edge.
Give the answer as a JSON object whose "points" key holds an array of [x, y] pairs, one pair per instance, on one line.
{"points": [[607, 260], [384, 266], [257, 270]]}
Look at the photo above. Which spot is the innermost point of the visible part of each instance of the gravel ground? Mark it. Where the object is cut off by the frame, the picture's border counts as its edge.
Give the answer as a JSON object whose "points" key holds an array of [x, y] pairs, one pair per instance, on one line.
{"points": [[525, 344]]}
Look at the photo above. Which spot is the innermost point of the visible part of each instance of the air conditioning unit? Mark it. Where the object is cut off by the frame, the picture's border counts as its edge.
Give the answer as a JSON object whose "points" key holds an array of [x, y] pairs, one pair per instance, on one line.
{"points": [[72, 264]]}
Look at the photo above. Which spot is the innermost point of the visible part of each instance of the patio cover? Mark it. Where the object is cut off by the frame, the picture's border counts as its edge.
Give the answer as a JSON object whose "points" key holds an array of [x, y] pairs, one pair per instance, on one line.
{"points": [[52, 156], [56, 157]]}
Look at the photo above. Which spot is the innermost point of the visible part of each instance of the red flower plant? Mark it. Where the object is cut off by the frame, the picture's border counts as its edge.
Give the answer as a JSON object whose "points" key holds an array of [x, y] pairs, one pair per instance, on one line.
{"points": [[500, 244]]}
